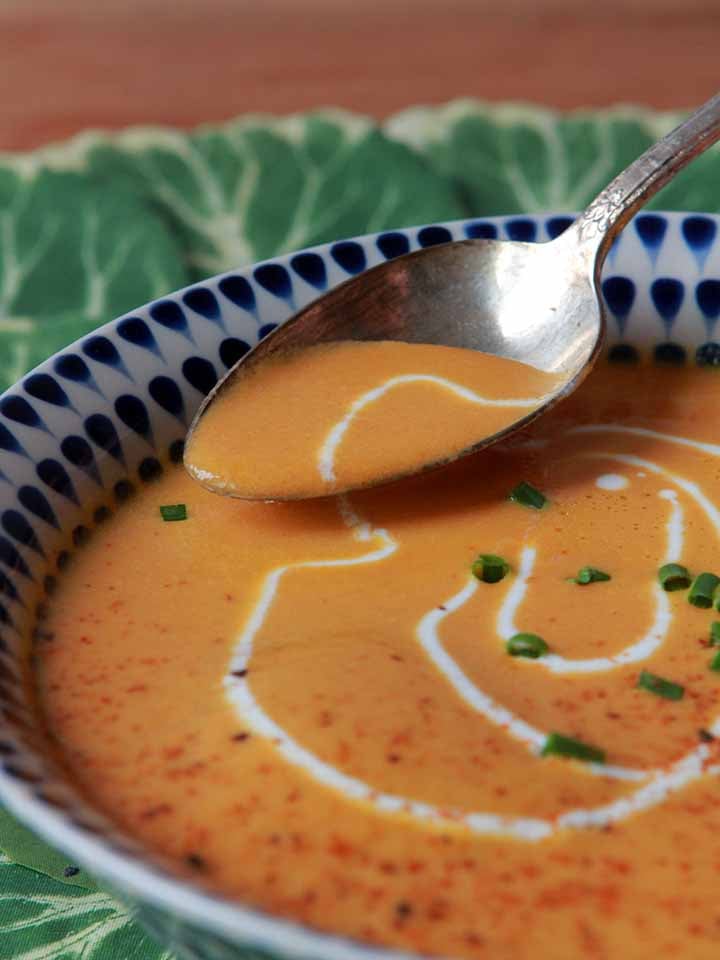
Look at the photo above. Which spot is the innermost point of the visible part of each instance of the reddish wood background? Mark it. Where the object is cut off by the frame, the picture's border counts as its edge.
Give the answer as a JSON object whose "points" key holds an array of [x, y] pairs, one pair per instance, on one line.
{"points": [[66, 65]]}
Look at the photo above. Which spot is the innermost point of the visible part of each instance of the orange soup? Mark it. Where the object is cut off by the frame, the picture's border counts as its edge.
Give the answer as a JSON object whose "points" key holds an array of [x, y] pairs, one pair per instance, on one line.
{"points": [[472, 714], [338, 416]]}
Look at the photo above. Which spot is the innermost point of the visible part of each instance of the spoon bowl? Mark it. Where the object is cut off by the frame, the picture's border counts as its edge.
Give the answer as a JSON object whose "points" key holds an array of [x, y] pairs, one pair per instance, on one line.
{"points": [[539, 304]]}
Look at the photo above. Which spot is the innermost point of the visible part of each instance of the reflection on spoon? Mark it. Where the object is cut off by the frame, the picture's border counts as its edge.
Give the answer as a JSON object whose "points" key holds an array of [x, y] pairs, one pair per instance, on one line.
{"points": [[538, 304]]}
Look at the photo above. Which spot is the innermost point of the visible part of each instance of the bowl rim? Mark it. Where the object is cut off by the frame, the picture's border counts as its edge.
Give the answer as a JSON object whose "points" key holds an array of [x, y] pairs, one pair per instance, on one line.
{"points": [[129, 875]]}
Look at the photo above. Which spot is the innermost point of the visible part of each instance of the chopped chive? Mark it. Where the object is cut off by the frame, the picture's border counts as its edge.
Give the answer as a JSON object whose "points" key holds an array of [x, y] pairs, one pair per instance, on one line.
{"points": [[715, 662], [173, 511], [590, 575], [526, 645], [703, 589], [715, 634], [525, 494], [673, 576], [660, 687], [490, 568], [557, 744]]}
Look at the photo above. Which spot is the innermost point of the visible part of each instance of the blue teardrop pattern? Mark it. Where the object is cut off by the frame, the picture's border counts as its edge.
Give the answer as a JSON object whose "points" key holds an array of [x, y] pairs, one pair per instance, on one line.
{"points": [[619, 293], [37, 503], [101, 430], [667, 295], [11, 558], [134, 330], [8, 589], [200, 373], [707, 297], [54, 475], [349, 256], [15, 525], [204, 302], [103, 350], [274, 278], [310, 267], [231, 350], [651, 229], [433, 236], [266, 329], [393, 244], [556, 226], [481, 230], [18, 410], [41, 386], [78, 452], [71, 366], [7, 621], [521, 229], [134, 414], [699, 234], [166, 393], [170, 315], [239, 291], [10, 443]]}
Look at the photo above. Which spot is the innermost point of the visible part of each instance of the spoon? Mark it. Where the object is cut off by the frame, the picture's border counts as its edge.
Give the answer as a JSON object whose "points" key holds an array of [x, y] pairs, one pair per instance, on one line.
{"points": [[538, 303]]}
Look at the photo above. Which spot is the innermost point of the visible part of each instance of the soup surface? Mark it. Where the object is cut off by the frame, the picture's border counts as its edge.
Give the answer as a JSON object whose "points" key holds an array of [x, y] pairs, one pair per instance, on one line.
{"points": [[312, 706], [342, 415]]}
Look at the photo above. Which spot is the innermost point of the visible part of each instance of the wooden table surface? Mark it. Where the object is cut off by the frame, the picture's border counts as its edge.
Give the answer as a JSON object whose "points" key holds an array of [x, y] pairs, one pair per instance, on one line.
{"points": [[66, 65]]}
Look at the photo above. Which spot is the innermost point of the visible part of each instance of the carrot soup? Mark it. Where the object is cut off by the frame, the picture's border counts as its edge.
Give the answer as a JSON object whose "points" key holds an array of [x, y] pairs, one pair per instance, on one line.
{"points": [[473, 713]]}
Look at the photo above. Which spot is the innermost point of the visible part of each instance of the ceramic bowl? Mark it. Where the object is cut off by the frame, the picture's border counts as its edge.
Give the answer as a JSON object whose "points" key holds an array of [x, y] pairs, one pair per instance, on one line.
{"points": [[108, 413]]}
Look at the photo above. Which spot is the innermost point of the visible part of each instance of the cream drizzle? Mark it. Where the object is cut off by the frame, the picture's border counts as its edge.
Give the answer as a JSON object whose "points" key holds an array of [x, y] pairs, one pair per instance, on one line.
{"points": [[636, 652], [657, 785], [328, 450]]}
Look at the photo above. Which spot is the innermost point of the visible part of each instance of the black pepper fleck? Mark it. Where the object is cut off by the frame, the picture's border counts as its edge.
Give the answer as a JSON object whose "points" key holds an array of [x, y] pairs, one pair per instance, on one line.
{"points": [[706, 736], [196, 861], [71, 871], [238, 673], [241, 737]]}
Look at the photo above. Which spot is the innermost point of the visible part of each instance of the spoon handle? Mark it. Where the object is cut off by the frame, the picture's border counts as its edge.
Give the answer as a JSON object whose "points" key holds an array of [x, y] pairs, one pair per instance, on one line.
{"points": [[608, 213]]}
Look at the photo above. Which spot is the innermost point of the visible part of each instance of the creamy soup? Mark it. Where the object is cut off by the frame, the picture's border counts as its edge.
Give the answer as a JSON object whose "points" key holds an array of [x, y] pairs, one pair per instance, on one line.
{"points": [[341, 415], [333, 710]]}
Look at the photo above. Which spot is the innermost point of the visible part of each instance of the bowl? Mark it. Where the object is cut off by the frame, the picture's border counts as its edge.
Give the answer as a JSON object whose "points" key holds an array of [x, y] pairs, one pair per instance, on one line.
{"points": [[104, 415]]}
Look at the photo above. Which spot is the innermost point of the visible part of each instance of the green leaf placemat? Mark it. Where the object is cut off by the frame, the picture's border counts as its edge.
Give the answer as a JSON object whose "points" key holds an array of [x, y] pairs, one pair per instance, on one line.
{"points": [[42, 919], [91, 228]]}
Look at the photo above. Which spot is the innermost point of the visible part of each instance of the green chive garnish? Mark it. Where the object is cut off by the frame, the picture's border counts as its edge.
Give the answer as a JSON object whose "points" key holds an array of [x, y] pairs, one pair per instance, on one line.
{"points": [[715, 662], [703, 589], [673, 576], [526, 645], [590, 575], [525, 494], [561, 746], [660, 687], [715, 634], [490, 568], [173, 511]]}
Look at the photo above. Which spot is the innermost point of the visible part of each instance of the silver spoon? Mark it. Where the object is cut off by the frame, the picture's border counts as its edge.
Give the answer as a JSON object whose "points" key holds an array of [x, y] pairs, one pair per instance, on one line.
{"points": [[538, 303]]}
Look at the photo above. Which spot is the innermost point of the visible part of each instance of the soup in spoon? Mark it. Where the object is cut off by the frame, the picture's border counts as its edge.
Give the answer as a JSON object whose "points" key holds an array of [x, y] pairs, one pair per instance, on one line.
{"points": [[339, 416]]}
